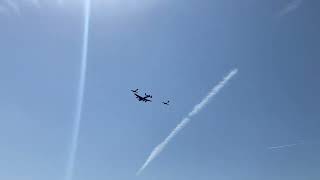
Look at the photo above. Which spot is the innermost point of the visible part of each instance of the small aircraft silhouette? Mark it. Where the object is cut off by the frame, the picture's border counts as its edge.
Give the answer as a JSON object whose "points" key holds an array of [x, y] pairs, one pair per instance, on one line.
{"points": [[147, 95], [144, 99], [166, 103], [134, 91]]}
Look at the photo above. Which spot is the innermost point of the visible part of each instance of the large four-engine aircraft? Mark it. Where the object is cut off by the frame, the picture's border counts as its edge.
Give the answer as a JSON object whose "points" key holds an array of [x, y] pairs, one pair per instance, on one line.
{"points": [[145, 98]]}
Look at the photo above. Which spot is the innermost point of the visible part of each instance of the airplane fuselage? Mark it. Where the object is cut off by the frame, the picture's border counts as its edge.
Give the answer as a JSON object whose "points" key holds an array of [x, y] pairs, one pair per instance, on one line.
{"points": [[140, 98]]}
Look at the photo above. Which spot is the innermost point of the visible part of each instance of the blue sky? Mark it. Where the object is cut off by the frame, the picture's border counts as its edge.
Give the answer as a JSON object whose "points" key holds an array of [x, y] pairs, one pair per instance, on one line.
{"points": [[175, 50]]}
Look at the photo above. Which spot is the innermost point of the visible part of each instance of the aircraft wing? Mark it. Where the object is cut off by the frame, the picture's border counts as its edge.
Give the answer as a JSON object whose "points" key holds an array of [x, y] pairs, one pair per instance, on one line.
{"points": [[146, 100]]}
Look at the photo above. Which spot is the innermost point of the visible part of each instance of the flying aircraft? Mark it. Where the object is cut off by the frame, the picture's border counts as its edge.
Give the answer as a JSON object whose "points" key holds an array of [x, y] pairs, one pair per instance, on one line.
{"points": [[144, 99], [166, 103], [134, 91], [147, 95]]}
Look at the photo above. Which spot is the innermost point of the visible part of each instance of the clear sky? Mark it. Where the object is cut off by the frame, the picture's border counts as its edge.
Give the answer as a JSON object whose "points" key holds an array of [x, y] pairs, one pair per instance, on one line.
{"points": [[264, 124]]}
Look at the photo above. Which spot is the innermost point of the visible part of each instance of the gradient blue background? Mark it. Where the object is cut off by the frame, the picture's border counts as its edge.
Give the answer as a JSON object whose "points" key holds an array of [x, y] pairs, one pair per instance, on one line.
{"points": [[175, 50]]}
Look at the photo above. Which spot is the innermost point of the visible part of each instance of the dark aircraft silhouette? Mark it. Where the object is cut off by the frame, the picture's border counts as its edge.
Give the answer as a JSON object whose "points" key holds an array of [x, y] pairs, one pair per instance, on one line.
{"points": [[134, 91], [147, 95], [144, 99], [166, 103]]}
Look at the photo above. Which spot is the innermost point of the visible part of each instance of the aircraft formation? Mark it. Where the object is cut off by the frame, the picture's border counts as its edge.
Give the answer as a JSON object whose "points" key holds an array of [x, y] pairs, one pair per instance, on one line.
{"points": [[146, 97]]}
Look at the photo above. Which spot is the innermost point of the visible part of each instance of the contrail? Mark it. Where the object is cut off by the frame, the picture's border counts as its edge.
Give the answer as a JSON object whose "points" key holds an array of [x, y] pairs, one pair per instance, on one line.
{"points": [[288, 145], [293, 144], [159, 148], [283, 146], [212, 93], [80, 95], [293, 5], [197, 108]]}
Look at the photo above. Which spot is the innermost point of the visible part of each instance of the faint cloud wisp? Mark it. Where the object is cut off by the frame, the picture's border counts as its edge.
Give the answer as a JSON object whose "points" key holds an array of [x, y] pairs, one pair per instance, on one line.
{"points": [[197, 108], [292, 6], [13, 6], [36, 3], [283, 146], [4, 10], [60, 2]]}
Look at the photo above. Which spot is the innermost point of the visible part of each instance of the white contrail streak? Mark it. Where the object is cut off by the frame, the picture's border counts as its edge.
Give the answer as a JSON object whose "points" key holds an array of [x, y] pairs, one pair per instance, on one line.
{"points": [[80, 95], [159, 148], [213, 92], [283, 146]]}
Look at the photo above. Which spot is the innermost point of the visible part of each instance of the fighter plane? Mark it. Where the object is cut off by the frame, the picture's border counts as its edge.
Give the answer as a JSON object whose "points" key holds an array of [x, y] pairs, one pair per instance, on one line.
{"points": [[144, 99], [166, 103], [134, 91]]}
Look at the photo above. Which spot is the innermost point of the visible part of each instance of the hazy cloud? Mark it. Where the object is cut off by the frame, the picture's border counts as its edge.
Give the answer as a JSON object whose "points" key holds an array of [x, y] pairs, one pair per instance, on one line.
{"points": [[60, 2], [36, 3], [292, 6], [13, 6], [3, 10]]}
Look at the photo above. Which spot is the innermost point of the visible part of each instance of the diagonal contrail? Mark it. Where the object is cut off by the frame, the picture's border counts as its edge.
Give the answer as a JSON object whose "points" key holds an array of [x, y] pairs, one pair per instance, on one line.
{"points": [[292, 145], [159, 148], [283, 146], [80, 95]]}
